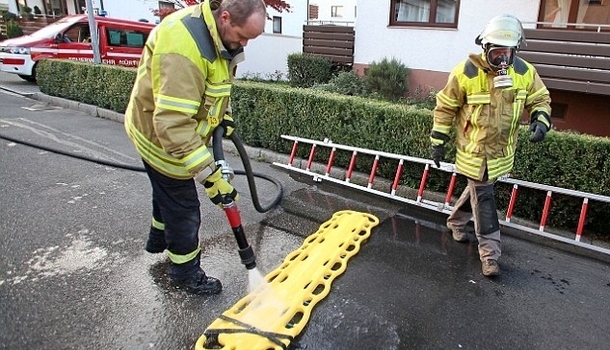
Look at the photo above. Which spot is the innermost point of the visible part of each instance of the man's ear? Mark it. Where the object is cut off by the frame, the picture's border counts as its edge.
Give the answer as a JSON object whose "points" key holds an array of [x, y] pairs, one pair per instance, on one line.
{"points": [[225, 16]]}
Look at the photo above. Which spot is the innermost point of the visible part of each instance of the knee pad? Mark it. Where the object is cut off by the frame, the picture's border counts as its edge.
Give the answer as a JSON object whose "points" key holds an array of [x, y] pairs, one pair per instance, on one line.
{"points": [[485, 211]]}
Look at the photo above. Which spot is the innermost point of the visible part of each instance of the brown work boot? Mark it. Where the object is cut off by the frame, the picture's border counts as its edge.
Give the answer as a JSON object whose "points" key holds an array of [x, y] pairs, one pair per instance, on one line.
{"points": [[459, 235], [490, 268]]}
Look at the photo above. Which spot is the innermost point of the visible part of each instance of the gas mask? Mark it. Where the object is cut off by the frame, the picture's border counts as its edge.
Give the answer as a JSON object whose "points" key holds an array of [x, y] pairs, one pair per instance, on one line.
{"points": [[500, 58]]}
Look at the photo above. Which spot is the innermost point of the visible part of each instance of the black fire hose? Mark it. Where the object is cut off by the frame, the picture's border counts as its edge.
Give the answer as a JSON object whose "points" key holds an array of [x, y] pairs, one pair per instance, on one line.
{"points": [[234, 137], [245, 250], [74, 155], [220, 155]]}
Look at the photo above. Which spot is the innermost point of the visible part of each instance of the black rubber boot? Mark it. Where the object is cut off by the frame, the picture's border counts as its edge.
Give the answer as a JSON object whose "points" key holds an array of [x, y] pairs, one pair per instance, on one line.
{"points": [[156, 241], [191, 277], [199, 283]]}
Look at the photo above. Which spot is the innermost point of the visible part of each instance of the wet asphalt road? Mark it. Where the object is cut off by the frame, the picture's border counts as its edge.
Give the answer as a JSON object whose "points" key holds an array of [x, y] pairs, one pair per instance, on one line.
{"points": [[74, 275]]}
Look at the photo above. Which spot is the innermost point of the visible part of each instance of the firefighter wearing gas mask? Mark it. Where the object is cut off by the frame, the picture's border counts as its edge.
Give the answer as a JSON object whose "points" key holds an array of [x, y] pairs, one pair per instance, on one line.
{"points": [[483, 100]]}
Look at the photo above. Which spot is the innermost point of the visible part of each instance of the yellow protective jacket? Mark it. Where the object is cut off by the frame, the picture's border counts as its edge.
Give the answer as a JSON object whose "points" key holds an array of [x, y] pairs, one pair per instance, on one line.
{"points": [[181, 92], [487, 119]]}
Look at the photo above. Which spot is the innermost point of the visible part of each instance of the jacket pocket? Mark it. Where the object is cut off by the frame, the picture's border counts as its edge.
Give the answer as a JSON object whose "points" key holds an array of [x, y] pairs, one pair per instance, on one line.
{"points": [[216, 100]]}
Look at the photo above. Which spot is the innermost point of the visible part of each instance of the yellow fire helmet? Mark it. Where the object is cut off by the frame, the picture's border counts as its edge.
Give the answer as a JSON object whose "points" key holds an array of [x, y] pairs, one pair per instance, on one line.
{"points": [[502, 30]]}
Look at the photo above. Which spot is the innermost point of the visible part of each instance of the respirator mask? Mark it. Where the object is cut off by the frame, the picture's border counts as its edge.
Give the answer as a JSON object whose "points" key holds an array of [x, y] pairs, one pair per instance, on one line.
{"points": [[500, 58]]}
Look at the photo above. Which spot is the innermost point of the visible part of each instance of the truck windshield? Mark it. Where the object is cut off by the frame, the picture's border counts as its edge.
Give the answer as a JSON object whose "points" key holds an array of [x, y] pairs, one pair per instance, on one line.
{"points": [[52, 29]]}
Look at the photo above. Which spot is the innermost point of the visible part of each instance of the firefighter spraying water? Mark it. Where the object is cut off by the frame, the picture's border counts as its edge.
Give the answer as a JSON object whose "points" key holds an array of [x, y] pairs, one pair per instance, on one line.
{"points": [[181, 95]]}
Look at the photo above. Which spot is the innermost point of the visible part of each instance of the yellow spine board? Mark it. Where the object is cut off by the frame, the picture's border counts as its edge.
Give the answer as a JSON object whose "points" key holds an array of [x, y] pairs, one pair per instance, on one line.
{"points": [[271, 316]]}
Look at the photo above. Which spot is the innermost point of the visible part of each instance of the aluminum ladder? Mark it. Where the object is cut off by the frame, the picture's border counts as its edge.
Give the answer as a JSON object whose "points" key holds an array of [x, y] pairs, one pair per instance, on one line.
{"points": [[445, 206]]}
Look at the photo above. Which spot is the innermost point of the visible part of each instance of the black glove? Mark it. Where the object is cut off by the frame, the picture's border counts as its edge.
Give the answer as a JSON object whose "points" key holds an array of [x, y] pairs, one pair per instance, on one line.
{"points": [[438, 141], [539, 125], [438, 154]]}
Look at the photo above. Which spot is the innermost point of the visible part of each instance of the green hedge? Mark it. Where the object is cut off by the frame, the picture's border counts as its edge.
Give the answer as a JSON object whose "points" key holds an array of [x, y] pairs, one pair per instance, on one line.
{"points": [[569, 160], [264, 112], [308, 70], [100, 85]]}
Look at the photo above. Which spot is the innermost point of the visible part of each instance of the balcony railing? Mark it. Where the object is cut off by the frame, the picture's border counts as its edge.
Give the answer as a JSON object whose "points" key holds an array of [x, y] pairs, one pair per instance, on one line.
{"points": [[580, 26], [331, 41], [571, 60]]}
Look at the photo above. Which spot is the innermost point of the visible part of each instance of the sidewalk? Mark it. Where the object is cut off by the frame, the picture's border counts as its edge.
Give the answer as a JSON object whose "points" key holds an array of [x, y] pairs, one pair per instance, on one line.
{"points": [[11, 82]]}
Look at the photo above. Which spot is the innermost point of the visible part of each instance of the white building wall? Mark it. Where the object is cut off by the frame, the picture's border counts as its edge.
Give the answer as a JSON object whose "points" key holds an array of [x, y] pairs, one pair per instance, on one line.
{"points": [[130, 9], [430, 48], [266, 56], [4, 5], [292, 22], [10, 5]]}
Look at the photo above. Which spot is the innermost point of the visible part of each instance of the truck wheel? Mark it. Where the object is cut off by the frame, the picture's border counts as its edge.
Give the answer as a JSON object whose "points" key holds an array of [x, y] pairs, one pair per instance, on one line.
{"points": [[30, 78]]}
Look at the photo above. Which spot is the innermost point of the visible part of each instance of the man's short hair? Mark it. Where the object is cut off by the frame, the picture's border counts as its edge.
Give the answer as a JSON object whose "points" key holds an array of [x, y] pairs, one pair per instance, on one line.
{"points": [[241, 10]]}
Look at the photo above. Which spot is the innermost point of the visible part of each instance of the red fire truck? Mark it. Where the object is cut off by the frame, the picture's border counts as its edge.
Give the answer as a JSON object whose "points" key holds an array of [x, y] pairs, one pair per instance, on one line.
{"points": [[120, 43]]}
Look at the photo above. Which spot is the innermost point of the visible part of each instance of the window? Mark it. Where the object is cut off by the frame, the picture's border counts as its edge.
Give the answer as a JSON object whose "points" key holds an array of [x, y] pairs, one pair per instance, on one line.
{"points": [[165, 5], [55, 7], [428, 13], [78, 33], [558, 110], [126, 38], [313, 11], [165, 8], [277, 25], [336, 11], [590, 14], [81, 6]]}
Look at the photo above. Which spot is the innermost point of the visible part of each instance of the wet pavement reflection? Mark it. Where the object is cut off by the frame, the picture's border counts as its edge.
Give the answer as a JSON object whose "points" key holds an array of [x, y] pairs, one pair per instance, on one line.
{"points": [[412, 287]]}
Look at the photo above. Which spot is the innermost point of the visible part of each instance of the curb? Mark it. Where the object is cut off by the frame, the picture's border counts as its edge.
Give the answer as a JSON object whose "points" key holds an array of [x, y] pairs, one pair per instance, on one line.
{"points": [[92, 110]]}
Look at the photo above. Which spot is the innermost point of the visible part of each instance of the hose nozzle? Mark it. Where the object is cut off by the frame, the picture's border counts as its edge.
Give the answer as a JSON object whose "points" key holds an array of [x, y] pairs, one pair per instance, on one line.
{"points": [[247, 257], [245, 250]]}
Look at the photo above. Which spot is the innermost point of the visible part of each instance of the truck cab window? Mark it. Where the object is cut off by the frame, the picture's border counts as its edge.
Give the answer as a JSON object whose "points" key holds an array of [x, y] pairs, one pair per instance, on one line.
{"points": [[78, 33], [126, 38]]}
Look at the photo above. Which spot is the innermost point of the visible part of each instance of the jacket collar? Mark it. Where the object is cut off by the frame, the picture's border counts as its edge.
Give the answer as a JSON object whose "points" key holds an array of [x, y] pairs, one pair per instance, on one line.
{"points": [[236, 56], [480, 61]]}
